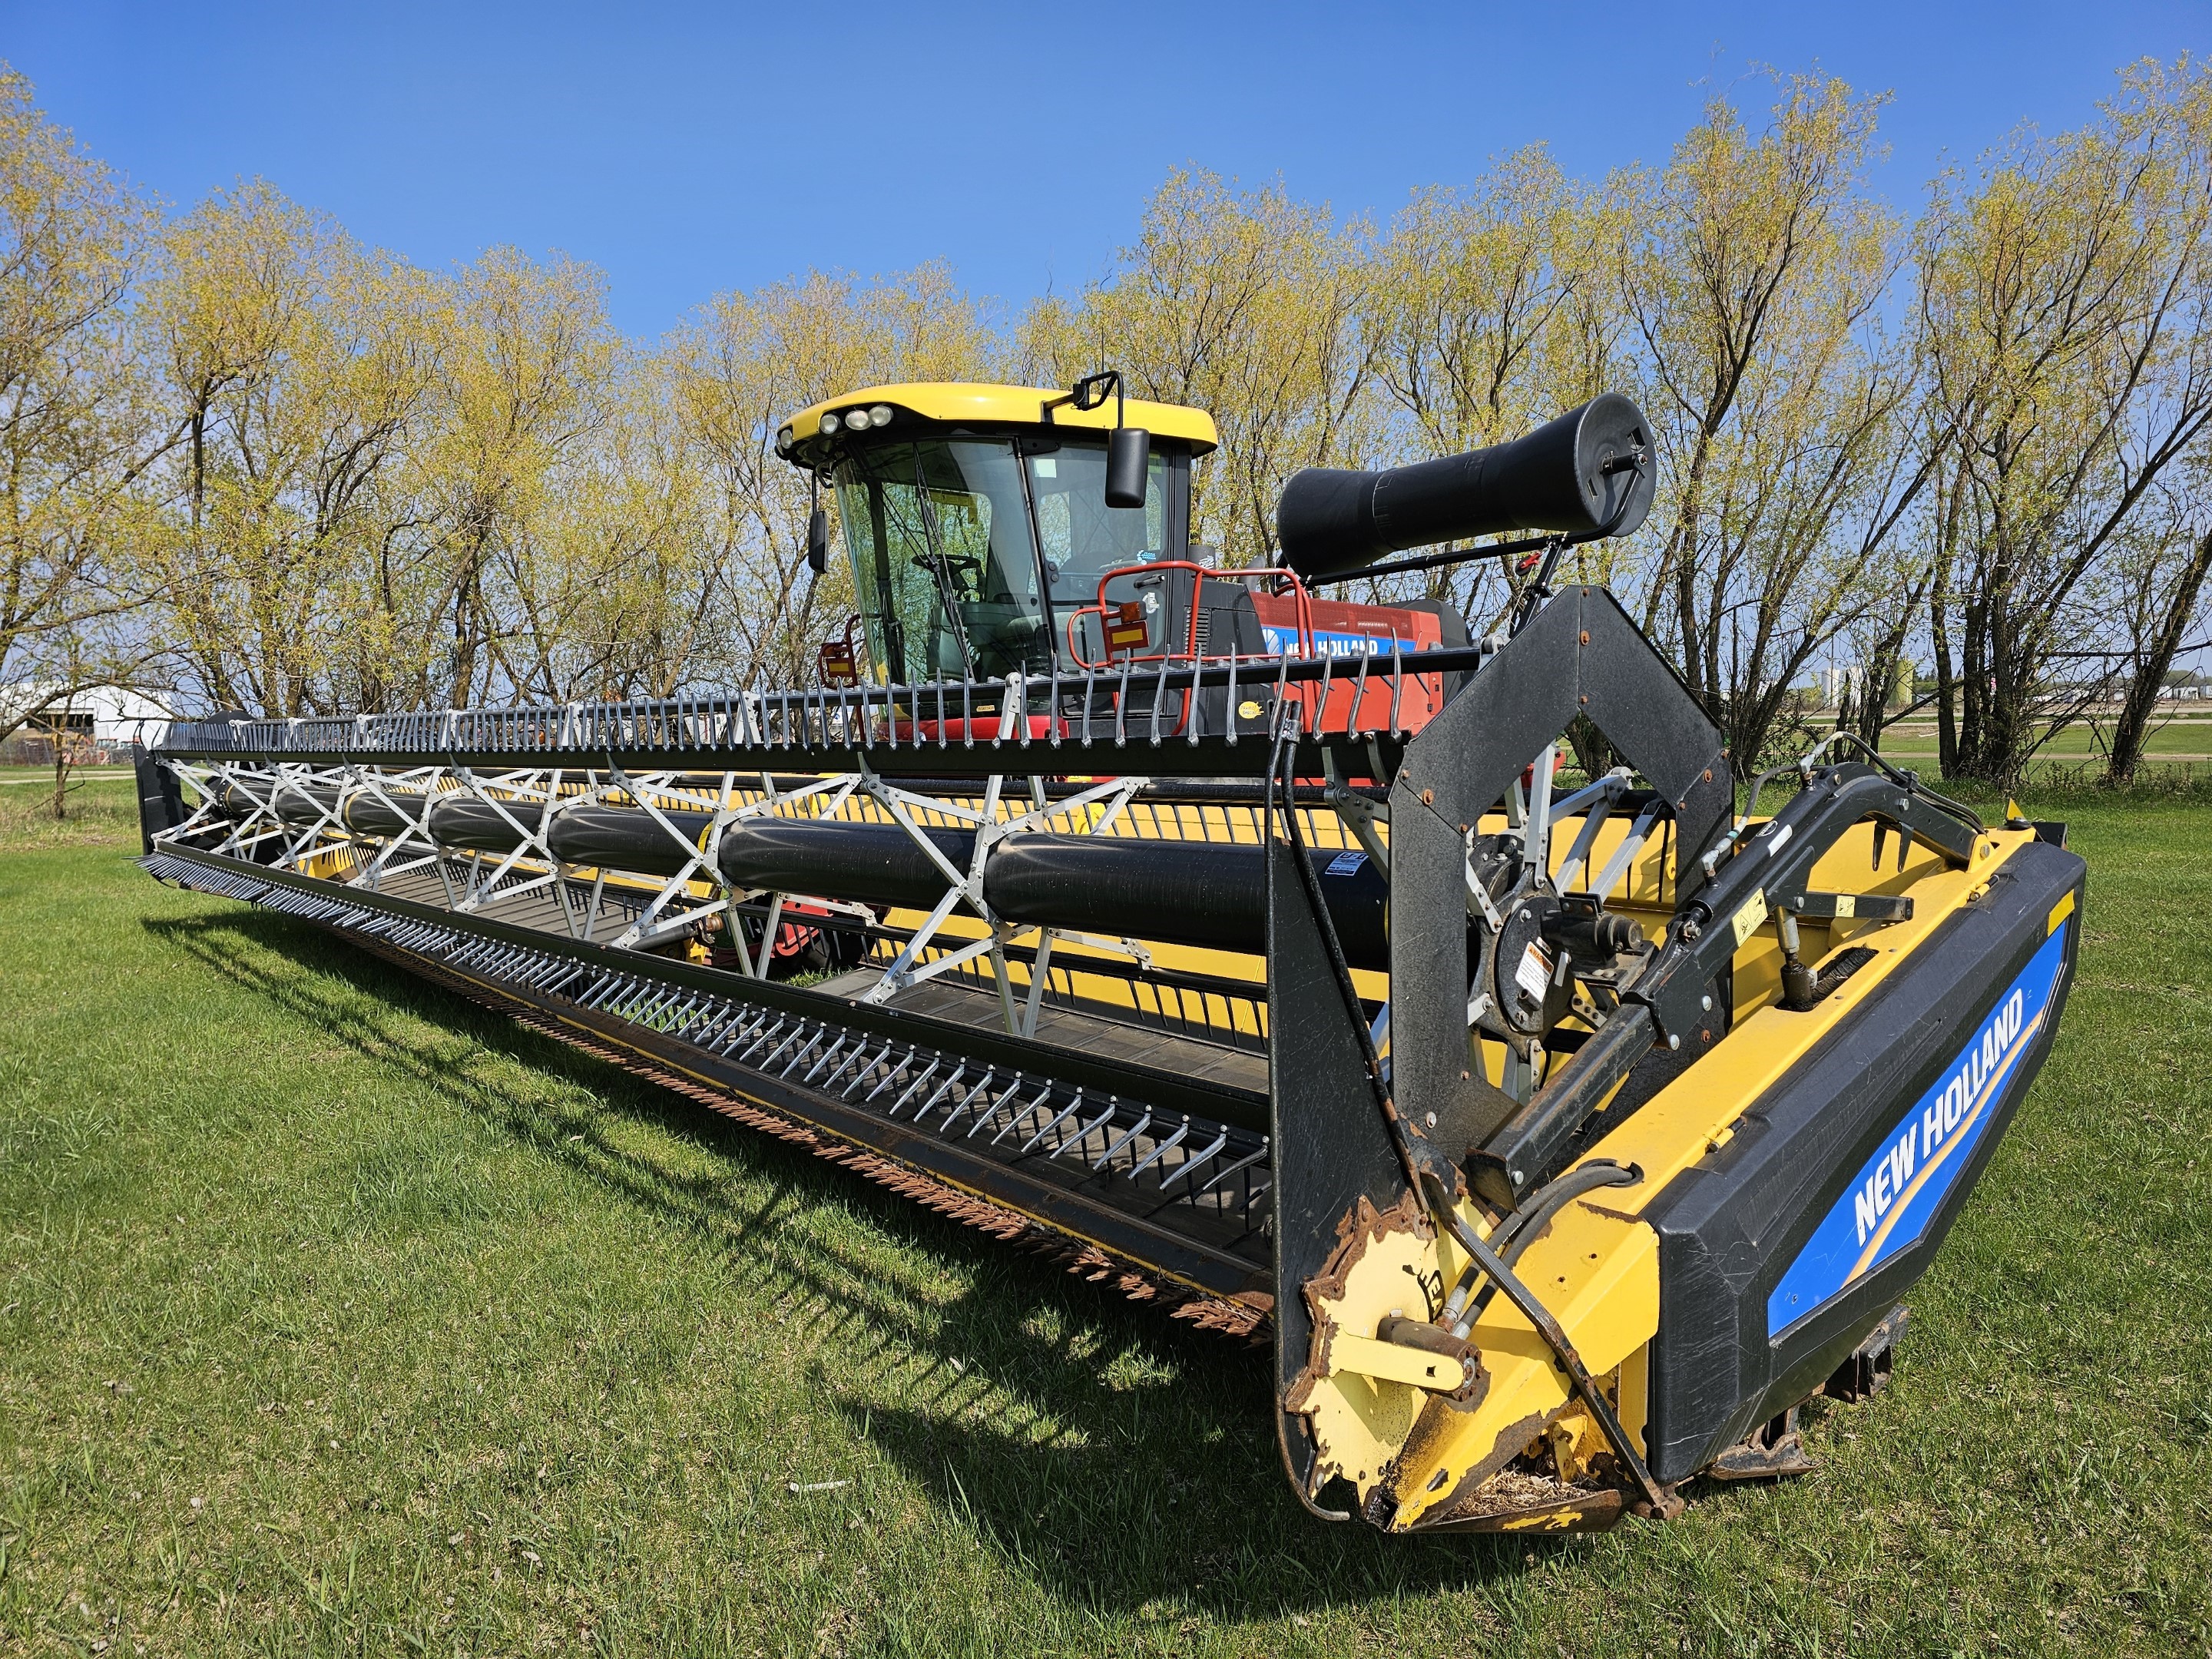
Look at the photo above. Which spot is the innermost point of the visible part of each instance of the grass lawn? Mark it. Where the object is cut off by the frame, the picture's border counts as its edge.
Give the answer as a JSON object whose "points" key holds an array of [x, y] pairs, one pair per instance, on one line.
{"points": [[337, 1316], [31, 777], [2180, 747]]}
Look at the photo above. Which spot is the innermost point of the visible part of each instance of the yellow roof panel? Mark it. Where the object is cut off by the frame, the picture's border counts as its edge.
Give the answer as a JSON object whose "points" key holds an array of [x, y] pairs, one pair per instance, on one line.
{"points": [[961, 403]]}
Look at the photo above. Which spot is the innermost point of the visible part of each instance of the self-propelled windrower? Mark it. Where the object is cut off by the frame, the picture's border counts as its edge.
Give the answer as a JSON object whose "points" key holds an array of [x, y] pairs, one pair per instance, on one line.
{"points": [[1244, 946]]}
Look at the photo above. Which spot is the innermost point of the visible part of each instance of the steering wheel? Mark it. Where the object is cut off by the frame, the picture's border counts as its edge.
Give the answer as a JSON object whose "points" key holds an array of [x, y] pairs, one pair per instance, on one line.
{"points": [[932, 561]]}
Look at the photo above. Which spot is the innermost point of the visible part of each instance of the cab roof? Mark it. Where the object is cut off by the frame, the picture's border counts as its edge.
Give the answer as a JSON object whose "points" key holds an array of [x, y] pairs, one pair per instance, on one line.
{"points": [[966, 403]]}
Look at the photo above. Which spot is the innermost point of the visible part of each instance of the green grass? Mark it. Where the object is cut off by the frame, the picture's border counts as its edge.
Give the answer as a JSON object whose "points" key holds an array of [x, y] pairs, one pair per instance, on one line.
{"points": [[2175, 751], [337, 1317]]}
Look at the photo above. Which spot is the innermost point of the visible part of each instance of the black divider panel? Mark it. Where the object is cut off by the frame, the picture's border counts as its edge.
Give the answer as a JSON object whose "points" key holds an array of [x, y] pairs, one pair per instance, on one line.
{"points": [[1431, 1069], [1331, 1148], [1579, 654], [1634, 697]]}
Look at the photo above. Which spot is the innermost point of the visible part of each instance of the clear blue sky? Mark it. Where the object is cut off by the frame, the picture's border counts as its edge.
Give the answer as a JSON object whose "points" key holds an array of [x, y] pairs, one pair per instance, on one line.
{"points": [[691, 149]]}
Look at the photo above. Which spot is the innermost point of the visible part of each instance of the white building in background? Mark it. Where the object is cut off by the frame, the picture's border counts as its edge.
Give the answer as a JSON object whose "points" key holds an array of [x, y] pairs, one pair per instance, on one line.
{"points": [[107, 716], [1837, 682]]}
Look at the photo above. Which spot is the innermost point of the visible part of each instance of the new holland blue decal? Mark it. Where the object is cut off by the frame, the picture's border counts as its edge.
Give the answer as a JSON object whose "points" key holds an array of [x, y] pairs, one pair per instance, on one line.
{"points": [[1902, 1186], [1280, 640]]}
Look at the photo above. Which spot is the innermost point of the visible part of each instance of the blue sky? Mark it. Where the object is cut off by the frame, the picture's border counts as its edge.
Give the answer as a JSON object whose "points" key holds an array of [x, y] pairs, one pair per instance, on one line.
{"points": [[687, 150]]}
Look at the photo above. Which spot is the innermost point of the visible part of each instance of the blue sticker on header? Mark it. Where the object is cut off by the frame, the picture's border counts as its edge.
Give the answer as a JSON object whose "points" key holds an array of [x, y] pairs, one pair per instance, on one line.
{"points": [[1286, 640], [1345, 863], [1898, 1191]]}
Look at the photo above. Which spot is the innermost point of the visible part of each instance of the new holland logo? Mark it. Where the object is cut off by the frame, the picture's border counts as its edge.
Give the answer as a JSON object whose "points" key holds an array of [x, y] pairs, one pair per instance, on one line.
{"points": [[1901, 1190], [1282, 639]]}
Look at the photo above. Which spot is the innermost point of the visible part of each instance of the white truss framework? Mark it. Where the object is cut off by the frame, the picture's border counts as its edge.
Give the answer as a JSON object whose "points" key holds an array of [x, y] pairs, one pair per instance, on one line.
{"points": [[250, 801]]}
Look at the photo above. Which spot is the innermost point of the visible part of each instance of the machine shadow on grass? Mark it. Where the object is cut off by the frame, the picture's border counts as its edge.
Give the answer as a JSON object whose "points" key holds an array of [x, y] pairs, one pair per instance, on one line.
{"points": [[1116, 1496]]}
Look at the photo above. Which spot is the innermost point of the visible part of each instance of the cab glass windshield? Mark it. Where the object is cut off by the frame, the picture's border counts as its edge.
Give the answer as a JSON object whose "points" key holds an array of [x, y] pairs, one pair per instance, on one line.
{"points": [[969, 554], [943, 562], [1081, 536]]}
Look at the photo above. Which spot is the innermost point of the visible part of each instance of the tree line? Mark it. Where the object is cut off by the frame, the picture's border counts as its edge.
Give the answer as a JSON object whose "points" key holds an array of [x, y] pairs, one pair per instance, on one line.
{"points": [[259, 466]]}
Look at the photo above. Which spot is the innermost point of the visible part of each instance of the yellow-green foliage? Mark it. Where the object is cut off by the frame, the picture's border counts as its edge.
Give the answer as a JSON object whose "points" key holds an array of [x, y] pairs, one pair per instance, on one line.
{"points": [[276, 470]]}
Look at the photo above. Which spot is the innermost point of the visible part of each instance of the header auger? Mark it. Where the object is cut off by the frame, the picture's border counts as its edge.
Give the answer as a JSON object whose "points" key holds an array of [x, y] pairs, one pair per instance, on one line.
{"points": [[1242, 947]]}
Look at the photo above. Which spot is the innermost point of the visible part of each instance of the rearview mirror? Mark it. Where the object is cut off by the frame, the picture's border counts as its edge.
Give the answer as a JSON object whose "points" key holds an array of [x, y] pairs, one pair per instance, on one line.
{"points": [[817, 540], [1129, 456]]}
